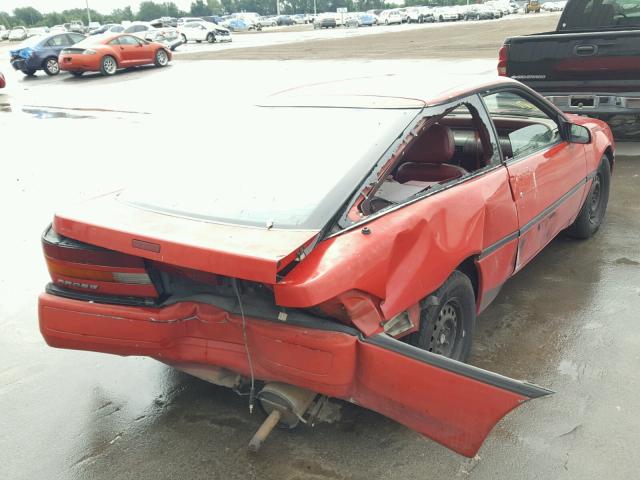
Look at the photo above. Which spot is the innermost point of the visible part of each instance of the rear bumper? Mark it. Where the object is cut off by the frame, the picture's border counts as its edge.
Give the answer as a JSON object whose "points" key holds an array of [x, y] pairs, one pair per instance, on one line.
{"points": [[451, 402], [23, 64], [79, 63], [191, 332], [593, 103]]}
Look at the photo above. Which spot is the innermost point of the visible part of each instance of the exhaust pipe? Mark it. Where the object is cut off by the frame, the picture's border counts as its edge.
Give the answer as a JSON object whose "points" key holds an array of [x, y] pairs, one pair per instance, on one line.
{"points": [[285, 405]]}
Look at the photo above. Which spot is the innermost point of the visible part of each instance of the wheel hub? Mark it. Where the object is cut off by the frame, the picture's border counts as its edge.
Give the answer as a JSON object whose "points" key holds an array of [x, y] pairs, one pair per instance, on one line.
{"points": [[595, 198], [445, 331]]}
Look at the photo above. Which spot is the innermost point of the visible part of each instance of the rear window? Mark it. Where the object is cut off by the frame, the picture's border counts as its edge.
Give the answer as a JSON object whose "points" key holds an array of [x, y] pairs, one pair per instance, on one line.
{"points": [[274, 166], [601, 14]]}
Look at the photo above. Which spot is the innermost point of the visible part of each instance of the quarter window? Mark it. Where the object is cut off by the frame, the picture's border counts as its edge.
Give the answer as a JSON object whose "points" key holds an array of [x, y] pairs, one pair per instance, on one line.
{"points": [[522, 126]]}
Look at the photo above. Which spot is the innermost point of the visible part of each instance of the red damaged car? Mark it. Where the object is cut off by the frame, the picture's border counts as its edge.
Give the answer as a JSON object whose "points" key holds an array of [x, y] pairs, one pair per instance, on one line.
{"points": [[351, 263]]}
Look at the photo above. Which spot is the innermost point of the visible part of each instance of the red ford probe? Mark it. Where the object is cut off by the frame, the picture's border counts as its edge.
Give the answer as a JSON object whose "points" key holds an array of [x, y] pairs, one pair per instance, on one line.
{"points": [[107, 53], [353, 269]]}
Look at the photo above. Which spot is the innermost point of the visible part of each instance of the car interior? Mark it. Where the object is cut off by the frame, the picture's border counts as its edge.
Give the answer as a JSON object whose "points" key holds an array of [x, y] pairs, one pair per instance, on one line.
{"points": [[453, 146]]}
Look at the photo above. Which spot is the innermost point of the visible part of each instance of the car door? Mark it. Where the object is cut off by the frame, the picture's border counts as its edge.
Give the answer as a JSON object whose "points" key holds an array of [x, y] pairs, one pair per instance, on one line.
{"points": [[189, 31], [131, 50], [54, 46], [547, 174]]}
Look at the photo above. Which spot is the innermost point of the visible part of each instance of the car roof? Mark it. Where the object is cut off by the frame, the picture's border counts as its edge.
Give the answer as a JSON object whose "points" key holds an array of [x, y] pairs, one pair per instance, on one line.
{"points": [[388, 91]]}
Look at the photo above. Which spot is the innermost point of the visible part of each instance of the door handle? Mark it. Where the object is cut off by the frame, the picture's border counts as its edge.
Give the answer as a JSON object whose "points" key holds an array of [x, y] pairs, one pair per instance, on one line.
{"points": [[585, 50]]}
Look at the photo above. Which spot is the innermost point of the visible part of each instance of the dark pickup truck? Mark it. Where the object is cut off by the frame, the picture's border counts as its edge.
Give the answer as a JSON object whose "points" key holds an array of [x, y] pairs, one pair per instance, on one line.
{"points": [[590, 65]]}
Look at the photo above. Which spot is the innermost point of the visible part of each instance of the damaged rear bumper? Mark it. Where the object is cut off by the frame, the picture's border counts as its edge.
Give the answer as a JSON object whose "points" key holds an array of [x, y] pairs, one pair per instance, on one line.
{"points": [[452, 403]]}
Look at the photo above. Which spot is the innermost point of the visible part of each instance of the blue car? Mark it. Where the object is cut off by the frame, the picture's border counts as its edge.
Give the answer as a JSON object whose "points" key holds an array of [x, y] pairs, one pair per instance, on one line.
{"points": [[41, 53]]}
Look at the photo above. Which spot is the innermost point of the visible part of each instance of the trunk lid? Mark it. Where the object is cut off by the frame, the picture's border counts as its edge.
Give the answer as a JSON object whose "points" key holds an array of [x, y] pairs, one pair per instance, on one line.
{"points": [[249, 253]]}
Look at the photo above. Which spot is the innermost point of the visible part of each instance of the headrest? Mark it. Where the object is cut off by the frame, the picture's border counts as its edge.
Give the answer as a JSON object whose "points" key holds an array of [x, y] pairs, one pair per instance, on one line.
{"points": [[436, 145]]}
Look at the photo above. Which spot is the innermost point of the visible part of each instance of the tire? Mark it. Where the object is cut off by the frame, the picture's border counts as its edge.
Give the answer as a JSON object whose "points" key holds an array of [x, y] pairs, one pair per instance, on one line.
{"points": [[161, 58], [51, 66], [447, 328], [211, 38], [478, 18], [77, 74], [108, 65], [184, 39], [594, 208]]}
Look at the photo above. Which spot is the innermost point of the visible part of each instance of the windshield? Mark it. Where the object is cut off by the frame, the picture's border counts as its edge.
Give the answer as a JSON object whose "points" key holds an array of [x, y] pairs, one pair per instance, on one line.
{"points": [[284, 167], [587, 14]]}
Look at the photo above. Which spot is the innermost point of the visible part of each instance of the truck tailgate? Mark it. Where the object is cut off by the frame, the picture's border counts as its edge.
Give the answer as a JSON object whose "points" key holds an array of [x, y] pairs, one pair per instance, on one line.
{"points": [[606, 61]]}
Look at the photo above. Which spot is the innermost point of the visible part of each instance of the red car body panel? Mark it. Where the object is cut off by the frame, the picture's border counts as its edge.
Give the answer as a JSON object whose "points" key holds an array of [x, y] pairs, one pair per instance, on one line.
{"points": [[493, 223], [332, 363], [3, 82], [249, 253]]}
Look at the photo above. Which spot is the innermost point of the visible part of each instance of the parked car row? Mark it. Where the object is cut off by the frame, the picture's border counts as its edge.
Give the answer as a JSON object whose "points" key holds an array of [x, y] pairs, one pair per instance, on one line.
{"points": [[77, 53]]}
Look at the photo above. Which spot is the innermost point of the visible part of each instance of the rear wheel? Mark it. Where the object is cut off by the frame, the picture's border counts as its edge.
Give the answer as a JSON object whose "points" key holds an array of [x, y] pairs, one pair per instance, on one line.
{"points": [[592, 213], [51, 66], [108, 66], [447, 326], [162, 59]]}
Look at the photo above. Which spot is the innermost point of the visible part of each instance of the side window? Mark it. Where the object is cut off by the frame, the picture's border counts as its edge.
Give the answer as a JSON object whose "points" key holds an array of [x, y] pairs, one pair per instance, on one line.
{"points": [[115, 41], [57, 41], [129, 40], [73, 38], [522, 126], [452, 142]]}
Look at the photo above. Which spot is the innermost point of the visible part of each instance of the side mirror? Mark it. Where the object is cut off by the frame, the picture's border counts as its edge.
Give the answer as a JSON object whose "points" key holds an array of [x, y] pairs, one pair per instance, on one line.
{"points": [[579, 134]]}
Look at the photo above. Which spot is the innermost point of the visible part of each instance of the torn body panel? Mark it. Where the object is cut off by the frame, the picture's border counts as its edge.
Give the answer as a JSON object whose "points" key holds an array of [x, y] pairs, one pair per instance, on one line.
{"points": [[450, 402], [409, 254]]}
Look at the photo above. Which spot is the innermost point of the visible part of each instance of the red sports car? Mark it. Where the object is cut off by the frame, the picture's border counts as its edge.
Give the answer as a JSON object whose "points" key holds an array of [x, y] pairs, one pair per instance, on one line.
{"points": [[352, 269], [107, 53]]}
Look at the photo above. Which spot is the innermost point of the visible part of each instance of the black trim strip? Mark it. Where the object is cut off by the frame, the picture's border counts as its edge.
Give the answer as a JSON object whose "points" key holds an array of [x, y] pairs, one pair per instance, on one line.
{"points": [[535, 220], [500, 243], [552, 207], [53, 289], [519, 387]]}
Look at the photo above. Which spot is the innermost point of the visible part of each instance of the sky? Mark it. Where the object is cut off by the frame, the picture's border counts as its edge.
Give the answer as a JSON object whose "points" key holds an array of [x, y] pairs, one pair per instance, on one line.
{"points": [[102, 6]]}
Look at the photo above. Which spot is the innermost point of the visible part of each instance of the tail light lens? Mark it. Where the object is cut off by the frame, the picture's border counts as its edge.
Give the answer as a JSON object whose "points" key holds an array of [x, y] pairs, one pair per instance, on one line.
{"points": [[503, 56], [78, 266]]}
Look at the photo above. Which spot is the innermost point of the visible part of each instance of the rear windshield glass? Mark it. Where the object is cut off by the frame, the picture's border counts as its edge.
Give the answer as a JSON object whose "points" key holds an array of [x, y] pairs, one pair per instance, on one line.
{"points": [[280, 167], [601, 14]]}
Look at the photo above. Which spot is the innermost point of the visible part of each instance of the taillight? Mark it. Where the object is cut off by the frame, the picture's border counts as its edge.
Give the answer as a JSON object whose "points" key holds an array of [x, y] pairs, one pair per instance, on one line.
{"points": [[503, 56], [78, 266]]}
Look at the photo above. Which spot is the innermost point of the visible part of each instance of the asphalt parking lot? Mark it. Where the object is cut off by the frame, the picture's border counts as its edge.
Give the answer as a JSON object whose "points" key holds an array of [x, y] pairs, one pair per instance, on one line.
{"points": [[567, 321]]}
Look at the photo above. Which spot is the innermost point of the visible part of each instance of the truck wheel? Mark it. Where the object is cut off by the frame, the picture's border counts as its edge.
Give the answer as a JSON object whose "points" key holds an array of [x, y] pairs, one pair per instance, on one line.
{"points": [[447, 328], [592, 212]]}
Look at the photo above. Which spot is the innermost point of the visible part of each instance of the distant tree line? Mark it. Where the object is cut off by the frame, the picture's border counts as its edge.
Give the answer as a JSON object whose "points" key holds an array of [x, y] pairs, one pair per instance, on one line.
{"points": [[30, 17]]}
